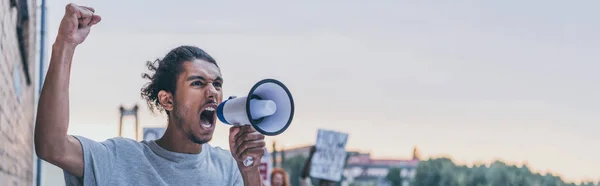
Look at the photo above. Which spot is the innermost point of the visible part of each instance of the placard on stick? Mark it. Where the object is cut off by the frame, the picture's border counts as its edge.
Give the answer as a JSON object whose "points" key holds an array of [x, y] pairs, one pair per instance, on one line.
{"points": [[330, 157], [265, 167]]}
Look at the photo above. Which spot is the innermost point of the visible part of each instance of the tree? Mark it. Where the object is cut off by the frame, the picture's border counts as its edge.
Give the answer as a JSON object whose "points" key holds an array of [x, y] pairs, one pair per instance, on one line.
{"points": [[393, 177], [442, 171], [293, 166], [436, 172], [588, 184]]}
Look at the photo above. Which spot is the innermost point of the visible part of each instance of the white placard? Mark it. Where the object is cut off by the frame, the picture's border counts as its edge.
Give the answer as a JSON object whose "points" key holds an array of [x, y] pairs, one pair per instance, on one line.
{"points": [[330, 157]]}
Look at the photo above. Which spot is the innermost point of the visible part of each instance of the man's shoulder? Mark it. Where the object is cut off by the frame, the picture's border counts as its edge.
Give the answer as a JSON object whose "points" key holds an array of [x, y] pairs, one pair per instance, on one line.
{"points": [[110, 143], [121, 141]]}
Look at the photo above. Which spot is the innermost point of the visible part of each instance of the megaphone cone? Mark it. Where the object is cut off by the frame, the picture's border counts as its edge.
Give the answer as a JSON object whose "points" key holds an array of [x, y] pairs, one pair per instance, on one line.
{"points": [[268, 107]]}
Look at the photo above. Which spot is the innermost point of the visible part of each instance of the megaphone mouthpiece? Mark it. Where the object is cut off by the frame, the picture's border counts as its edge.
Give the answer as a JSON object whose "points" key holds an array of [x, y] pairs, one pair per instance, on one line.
{"points": [[262, 108]]}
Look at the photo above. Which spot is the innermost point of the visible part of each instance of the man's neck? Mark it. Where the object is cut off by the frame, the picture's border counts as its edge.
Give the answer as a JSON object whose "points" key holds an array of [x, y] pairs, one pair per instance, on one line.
{"points": [[175, 140]]}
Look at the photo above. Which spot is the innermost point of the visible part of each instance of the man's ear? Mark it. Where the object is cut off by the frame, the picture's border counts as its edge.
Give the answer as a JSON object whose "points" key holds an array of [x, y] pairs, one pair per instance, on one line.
{"points": [[166, 100]]}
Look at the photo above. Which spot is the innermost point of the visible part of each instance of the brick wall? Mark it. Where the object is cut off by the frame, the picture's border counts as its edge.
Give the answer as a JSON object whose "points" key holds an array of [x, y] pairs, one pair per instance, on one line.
{"points": [[16, 95]]}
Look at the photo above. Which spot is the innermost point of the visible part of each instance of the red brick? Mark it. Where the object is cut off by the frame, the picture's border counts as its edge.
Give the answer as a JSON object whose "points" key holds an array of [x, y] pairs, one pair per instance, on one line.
{"points": [[16, 118]]}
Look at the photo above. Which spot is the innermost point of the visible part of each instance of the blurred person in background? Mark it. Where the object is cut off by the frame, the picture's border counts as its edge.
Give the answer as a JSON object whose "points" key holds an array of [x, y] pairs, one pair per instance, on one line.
{"points": [[186, 84], [279, 177], [305, 176]]}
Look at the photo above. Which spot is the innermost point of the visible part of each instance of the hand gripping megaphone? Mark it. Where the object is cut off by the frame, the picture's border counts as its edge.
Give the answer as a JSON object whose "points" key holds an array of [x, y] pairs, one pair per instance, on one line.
{"points": [[268, 107]]}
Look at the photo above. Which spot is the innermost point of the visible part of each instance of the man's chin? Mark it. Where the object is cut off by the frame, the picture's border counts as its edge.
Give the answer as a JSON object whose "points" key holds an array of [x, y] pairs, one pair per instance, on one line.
{"points": [[200, 140]]}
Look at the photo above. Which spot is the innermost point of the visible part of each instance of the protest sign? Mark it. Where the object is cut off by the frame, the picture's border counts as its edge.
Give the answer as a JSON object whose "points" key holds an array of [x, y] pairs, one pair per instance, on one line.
{"points": [[329, 159], [265, 167]]}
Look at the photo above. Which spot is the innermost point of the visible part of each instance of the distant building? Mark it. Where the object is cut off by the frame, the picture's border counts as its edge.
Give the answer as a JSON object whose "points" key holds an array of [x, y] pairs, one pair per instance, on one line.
{"points": [[361, 169]]}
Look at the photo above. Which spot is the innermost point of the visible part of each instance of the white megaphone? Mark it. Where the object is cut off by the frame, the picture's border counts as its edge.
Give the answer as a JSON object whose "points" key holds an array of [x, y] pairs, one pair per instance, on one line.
{"points": [[268, 107]]}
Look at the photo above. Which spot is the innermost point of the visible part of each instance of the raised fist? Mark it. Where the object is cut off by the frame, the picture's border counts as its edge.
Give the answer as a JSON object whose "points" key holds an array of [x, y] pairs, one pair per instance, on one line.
{"points": [[76, 23]]}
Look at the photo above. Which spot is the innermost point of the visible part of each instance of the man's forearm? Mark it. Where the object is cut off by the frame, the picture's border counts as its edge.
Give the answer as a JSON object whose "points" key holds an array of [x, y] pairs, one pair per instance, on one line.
{"points": [[53, 108], [252, 177]]}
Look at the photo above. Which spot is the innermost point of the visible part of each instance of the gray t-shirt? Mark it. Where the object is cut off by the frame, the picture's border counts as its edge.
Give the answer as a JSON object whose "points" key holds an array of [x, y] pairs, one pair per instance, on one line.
{"points": [[123, 161]]}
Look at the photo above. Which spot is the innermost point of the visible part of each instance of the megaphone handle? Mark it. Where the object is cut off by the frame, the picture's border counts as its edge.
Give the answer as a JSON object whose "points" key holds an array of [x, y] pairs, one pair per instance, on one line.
{"points": [[248, 161]]}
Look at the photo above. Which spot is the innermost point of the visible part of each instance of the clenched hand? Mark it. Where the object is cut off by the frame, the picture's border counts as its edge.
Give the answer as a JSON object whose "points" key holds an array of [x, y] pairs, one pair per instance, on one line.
{"points": [[76, 23], [245, 141]]}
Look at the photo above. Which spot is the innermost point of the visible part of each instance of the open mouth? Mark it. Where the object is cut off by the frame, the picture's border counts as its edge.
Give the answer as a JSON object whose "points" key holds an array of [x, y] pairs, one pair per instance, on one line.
{"points": [[207, 117]]}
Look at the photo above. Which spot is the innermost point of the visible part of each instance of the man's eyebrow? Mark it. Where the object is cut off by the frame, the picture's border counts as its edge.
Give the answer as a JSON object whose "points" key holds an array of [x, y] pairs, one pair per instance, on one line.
{"points": [[195, 77], [190, 78]]}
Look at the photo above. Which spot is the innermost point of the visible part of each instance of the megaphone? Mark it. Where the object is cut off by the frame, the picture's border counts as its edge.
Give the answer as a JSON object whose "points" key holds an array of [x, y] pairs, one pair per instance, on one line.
{"points": [[268, 107]]}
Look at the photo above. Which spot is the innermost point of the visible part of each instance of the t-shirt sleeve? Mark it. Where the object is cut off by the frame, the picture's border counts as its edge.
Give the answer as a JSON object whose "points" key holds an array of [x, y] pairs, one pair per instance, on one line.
{"points": [[98, 161]]}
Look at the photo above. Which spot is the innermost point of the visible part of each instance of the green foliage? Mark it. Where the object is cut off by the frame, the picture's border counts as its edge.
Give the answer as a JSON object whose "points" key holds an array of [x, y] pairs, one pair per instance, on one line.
{"points": [[293, 166], [442, 171], [394, 177]]}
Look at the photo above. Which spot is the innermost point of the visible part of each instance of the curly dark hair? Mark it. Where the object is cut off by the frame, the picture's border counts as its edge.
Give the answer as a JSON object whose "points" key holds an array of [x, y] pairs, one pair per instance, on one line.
{"points": [[166, 72]]}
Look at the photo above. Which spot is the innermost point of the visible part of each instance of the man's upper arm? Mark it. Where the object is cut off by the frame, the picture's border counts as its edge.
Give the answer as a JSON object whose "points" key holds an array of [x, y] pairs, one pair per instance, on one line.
{"points": [[88, 161], [72, 159]]}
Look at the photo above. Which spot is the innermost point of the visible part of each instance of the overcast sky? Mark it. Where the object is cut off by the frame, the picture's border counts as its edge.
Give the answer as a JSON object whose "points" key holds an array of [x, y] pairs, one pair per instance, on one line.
{"points": [[477, 81]]}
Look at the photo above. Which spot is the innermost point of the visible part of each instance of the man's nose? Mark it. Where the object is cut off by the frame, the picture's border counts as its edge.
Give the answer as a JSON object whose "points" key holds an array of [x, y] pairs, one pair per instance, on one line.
{"points": [[211, 91]]}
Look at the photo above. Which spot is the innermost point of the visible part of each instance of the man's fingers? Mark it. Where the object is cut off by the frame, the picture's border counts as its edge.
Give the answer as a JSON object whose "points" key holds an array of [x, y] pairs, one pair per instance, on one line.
{"points": [[89, 11], [252, 152], [248, 142], [245, 129], [88, 8], [71, 8], [249, 137], [250, 145], [79, 11], [242, 131], [83, 14], [244, 141], [84, 17], [95, 20], [233, 131]]}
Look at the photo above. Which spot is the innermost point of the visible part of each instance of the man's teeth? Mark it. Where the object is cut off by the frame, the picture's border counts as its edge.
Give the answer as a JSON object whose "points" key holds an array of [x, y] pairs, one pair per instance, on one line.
{"points": [[206, 125]]}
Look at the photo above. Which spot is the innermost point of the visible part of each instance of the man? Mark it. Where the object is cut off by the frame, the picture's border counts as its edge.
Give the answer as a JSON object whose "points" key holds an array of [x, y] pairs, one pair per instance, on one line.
{"points": [[186, 84], [305, 176]]}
